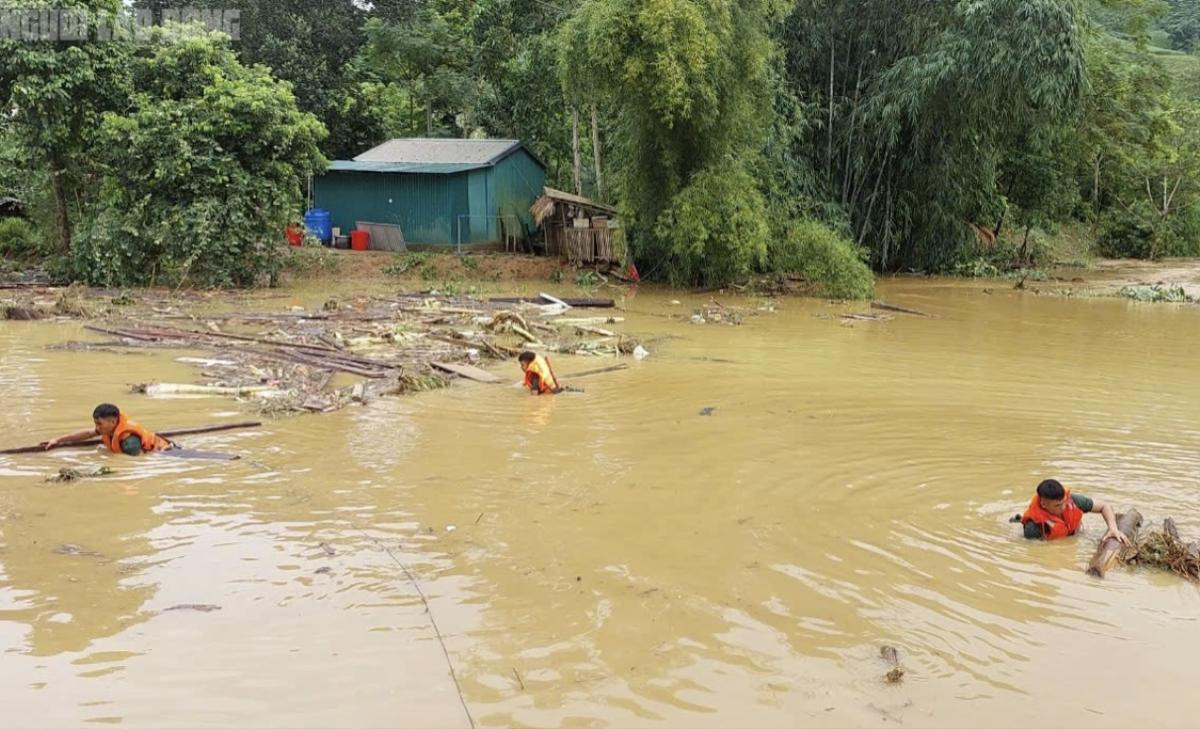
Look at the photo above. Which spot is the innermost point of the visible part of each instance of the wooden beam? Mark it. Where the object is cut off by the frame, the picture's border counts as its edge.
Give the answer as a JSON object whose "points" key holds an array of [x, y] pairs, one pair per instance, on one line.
{"points": [[1110, 549]]}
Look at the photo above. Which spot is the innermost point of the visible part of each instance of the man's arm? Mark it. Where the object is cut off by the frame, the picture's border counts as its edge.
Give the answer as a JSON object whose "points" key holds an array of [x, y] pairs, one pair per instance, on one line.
{"points": [[69, 438], [535, 384], [1110, 520]]}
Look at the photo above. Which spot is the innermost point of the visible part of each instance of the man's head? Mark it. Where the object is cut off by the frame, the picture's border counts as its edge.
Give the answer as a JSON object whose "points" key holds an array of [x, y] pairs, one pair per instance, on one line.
{"points": [[106, 417], [1052, 496], [526, 358]]}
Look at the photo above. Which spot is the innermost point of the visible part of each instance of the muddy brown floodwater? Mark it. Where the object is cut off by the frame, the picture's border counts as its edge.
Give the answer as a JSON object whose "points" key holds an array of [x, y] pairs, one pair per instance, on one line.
{"points": [[616, 558]]}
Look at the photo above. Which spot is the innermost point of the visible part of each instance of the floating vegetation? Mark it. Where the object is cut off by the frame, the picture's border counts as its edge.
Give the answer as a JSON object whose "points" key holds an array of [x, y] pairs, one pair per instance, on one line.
{"points": [[1156, 293]]}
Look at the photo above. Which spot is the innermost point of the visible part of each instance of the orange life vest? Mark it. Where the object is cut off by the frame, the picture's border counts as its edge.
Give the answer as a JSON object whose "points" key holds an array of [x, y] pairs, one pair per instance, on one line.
{"points": [[125, 428], [540, 366], [1053, 526]]}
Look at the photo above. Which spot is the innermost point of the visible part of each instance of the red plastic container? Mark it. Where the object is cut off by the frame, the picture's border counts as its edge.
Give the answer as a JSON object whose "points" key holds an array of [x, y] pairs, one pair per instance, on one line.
{"points": [[295, 236], [359, 240]]}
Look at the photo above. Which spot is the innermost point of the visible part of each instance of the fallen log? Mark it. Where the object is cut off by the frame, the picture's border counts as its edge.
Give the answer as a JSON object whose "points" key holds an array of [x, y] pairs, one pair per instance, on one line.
{"points": [[175, 432], [574, 303], [892, 307], [589, 373], [1110, 549]]}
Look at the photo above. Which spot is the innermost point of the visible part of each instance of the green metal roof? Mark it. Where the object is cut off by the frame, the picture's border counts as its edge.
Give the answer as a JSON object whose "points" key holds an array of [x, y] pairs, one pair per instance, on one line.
{"points": [[435, 168]]}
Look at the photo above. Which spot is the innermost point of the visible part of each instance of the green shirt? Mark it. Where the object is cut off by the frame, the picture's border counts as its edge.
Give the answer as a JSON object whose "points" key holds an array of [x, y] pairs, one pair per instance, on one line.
{"points": [[131, 445], [1085, 504]]}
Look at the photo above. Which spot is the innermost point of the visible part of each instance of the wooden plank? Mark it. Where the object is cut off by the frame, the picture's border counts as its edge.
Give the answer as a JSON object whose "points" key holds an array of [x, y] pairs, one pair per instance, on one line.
{"points": [[468, 371]]}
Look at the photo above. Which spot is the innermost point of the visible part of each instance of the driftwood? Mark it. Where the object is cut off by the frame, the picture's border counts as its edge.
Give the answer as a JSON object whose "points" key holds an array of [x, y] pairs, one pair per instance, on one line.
{"points": [[1110, 549], [1166, 550], [574, 303], [892, 307], [175, 432], [600, 371]]}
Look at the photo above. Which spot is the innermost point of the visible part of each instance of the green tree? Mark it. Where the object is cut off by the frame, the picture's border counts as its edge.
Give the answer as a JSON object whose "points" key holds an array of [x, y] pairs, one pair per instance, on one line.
{"points": [[200, 174], [52, 95], [1182, 24], [686, 85], [430, 56]]}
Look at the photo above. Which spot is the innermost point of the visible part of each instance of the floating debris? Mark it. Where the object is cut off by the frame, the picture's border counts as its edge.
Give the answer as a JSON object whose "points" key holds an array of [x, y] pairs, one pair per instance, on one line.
{"points": [[204, 608], [66, 475], [892, 656], [282, 363], [74, 550], [1165, 549]]}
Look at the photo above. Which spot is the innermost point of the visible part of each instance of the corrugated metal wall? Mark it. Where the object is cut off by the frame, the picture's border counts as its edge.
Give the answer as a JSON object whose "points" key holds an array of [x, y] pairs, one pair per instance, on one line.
{"points": [[427, 207], [517, 181]]}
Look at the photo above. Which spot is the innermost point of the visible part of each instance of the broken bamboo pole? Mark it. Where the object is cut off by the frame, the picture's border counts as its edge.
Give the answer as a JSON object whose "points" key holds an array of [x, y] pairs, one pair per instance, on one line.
{"points": [[575, 303], [164, 433], [122, 333], [602, 370], [1110, 549], [903, 310]]}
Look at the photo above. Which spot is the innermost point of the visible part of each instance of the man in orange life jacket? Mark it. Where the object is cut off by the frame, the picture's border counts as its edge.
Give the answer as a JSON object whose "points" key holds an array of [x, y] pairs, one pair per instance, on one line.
{"points": [[1055, 512], [539, 375], [117, 433]]}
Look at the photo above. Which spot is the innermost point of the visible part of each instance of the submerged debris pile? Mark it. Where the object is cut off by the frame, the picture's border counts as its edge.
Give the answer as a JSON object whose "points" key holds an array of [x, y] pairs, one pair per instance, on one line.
{"points": [[1166, 550], [297, 361]]}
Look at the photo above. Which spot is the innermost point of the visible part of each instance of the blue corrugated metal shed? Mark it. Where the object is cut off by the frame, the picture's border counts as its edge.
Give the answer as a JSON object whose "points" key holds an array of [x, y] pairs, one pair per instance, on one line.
{"points": [[435, 188]]}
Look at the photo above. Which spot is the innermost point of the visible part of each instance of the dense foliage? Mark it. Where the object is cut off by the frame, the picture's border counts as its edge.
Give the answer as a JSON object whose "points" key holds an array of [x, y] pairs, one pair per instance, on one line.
{"points": [[812, 137], [198, 176]]}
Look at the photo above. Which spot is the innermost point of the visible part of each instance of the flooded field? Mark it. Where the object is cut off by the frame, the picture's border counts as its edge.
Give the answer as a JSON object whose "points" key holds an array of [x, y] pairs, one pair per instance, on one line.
{"points": [[616, 557]]}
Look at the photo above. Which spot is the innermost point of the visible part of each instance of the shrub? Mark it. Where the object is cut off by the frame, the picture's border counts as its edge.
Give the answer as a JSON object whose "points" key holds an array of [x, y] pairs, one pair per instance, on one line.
{"points": [[19, 239], [405, 262], [825, 259], [1123, 234], [311, 259], [199, 175], [715, 229]]}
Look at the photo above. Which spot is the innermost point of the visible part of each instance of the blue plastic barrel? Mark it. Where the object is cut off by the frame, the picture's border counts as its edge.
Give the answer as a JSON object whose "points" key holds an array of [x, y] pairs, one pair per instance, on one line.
{"points": [[319, 224]]}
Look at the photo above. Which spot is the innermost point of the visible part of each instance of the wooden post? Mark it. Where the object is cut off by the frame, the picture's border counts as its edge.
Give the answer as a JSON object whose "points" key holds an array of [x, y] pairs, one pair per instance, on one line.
{"points": [[1109, 549], [596, 153]]}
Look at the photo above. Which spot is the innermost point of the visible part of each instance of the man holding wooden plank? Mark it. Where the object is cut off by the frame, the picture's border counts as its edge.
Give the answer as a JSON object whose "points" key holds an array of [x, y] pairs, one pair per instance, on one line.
{"points": [[118, 434], [1054, 513]]}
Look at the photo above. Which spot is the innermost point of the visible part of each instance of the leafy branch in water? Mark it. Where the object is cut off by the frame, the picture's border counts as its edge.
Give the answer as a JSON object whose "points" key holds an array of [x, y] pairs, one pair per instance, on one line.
{"points": [[1173, 294]]}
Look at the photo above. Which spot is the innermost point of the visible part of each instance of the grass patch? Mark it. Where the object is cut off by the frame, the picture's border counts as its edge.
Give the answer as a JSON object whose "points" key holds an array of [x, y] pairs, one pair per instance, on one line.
{"points": [[405, 263], [311, 259]]}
